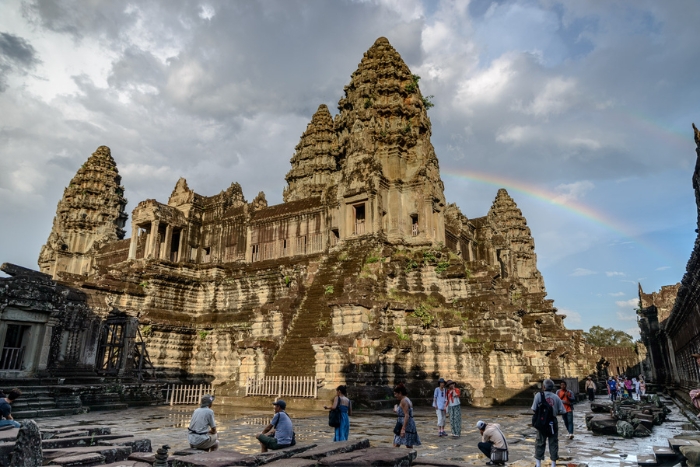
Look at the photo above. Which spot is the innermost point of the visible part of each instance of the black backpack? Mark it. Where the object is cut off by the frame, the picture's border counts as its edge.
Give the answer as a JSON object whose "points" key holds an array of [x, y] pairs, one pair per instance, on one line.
{"points": [[543, 419]]}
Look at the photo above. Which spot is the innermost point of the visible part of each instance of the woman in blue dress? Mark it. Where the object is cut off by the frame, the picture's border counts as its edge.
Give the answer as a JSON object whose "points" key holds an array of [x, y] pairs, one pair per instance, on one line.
{"points": [[405, 424], [344, 406]]}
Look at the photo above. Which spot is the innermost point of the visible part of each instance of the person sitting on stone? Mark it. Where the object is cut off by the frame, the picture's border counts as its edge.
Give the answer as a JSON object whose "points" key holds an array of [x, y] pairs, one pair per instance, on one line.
{"points": [[6, 408], [202, 428], [279, 433], [491, 436]]}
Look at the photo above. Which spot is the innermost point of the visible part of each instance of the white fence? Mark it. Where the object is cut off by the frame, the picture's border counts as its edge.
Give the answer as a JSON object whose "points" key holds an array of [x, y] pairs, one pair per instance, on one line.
{"points": [[189, 394], [291, 386]]}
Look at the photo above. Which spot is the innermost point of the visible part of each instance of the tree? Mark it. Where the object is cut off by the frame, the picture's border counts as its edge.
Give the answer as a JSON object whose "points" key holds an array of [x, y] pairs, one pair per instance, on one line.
{"points": [[599, 336]]}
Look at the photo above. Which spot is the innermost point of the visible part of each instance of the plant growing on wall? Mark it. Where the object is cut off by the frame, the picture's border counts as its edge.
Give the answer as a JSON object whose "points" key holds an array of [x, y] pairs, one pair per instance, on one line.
{"points": [[328, 290], [442, 266], [147, 331], [203, 334], [399, 332]]}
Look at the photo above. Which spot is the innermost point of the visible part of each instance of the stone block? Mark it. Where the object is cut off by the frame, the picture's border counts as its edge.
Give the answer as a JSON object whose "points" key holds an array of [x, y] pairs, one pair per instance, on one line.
{"points": [[663, 451], [55, 443], [427, 462], [271, 456], [380, 456], [218, 458], [691, 454], [333, 448], [110, 453], [646, 459], [128, 463], [676, 443], [90, 458], [292, 462]]}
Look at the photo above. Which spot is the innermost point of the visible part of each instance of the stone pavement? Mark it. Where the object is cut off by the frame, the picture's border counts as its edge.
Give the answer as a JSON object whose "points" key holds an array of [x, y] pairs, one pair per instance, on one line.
{"points": [[238, 427]]}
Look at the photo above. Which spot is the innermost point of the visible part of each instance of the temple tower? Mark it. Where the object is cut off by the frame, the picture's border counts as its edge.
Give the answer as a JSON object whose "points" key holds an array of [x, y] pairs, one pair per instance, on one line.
{"points": [[390, 175], [315, 161], [90, 214]]}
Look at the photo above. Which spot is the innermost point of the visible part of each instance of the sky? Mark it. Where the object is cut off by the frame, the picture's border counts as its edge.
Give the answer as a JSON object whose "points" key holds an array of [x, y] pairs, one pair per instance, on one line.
{"points": [[581, 110]]}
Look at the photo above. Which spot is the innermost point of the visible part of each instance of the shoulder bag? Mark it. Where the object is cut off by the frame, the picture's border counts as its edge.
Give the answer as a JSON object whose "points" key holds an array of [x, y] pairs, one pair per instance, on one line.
{"points": [[500, 454]]}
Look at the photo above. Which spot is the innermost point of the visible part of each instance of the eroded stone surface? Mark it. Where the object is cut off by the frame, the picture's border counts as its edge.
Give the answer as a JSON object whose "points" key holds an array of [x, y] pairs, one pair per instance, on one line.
{"points": [[27, 451]]}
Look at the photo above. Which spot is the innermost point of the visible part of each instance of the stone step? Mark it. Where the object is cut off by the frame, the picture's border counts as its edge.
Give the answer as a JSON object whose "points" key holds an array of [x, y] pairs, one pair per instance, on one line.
{"points": [[44, 413], [87, 459], [663, 452], [56, 443], [647, 459], [33, 405]]}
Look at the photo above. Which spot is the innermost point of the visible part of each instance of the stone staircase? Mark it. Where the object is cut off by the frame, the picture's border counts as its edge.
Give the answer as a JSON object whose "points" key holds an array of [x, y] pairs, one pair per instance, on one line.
{"points": [[38, 402], [296, 357]]}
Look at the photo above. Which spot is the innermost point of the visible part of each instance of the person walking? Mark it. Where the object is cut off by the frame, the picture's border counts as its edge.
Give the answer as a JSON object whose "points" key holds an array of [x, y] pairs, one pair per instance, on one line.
{"points": [[6, 408], [202, 428], [440, 405], [491, 437], [590, 389], [454, 409], [279, 433], [635, 384], [567, 398], [612, 388], [557, 409], [628, 387], [642, 386], [342, 404], [405, 433]]}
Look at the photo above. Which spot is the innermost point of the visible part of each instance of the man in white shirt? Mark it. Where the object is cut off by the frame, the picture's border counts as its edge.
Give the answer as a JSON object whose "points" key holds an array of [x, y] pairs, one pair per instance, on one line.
{"points": [[440, 405], [202, 428]]}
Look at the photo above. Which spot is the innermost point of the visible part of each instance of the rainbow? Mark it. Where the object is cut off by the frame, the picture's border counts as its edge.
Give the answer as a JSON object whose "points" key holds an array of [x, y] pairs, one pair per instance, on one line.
{"points": [[555, 199]]}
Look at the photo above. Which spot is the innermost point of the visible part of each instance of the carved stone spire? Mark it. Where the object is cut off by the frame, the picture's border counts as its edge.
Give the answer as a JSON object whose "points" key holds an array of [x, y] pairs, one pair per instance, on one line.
{"points": [[90, 214], [513, 243], [383, 127], [314, 161]]}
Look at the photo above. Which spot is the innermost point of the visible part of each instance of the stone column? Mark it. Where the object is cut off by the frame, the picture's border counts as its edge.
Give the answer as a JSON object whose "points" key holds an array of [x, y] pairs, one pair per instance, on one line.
{"points": [[134, 240], [153, 239], [181, 246], [165, 251]]}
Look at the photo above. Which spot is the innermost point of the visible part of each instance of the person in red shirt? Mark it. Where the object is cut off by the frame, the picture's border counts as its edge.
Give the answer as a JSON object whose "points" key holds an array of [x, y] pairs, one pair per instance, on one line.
{"points": [[567, 398]]}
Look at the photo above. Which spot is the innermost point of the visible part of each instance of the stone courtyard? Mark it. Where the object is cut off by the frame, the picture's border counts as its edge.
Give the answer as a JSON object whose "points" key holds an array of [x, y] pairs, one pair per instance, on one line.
{"points": [[238, 427]]}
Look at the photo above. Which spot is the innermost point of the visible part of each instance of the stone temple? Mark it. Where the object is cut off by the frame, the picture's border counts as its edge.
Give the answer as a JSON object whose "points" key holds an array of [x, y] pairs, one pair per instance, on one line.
{"points": [[364, 275]]}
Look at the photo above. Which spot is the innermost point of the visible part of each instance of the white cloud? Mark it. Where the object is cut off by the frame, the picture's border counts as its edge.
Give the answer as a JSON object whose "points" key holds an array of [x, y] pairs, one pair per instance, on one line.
{"points": [[572, 317], [663, 268], [573, 191], [617, 294], [626, 316], [614, 273], [582, 272], [556, 96], [631, 303]]}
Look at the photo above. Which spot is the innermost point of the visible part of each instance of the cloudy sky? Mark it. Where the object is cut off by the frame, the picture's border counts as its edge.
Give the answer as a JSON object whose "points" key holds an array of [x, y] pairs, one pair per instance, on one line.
{"points": [[581, 110]]}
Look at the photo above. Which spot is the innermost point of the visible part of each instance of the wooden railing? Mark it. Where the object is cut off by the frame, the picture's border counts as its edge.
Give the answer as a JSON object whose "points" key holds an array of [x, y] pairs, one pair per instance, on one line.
{"points": [[11, 358], [189, 394], [282, 386]]}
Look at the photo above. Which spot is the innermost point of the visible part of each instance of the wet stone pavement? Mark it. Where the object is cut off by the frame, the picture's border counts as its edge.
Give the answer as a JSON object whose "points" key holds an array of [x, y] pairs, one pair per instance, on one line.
{"points": [[238, 427]]}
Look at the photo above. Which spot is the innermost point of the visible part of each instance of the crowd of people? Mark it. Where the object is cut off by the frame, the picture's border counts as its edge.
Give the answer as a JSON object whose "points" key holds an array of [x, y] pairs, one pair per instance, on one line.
{"points": [[622, 387], [547, 406]]}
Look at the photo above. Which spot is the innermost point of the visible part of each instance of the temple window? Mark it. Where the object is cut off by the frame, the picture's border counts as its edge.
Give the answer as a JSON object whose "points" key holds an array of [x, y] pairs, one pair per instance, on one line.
{"points": [[174, 246], [256, 252], [414, 225], [359, 210], [335, 237]]}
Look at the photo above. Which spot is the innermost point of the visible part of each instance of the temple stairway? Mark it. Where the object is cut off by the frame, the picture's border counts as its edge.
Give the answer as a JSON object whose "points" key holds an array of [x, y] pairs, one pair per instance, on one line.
{"points": [[296, 357]]}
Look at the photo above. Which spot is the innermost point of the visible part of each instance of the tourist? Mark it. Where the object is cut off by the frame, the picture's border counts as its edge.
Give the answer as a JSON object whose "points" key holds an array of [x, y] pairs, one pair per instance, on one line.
{"points": [[344, 406], [281, 429], [612, 388], [202, 428], [567, 398], [590, 389], [642, 386], [440, 405], [405, 433], [492, 437], [635, 384], [454, 409], [541, 440], [6, 408], [628, 386]]}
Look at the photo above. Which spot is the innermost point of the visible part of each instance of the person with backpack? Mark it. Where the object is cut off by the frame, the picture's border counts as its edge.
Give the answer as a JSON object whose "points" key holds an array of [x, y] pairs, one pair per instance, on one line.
{"points": [[283, 436], [568, 399], [546, 406], [492, 441]]}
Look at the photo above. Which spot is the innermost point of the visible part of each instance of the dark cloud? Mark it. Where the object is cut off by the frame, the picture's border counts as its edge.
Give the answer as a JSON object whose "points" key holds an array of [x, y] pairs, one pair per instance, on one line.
{"points": [[16, 56]]}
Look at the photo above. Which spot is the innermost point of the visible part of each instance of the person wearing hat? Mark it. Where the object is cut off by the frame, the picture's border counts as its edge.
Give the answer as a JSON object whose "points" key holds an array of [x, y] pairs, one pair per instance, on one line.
{"points": [[202, 428], [454, 409], [440, 405], [279, 433], [553, 440], [491, 437], [590, 388]]}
